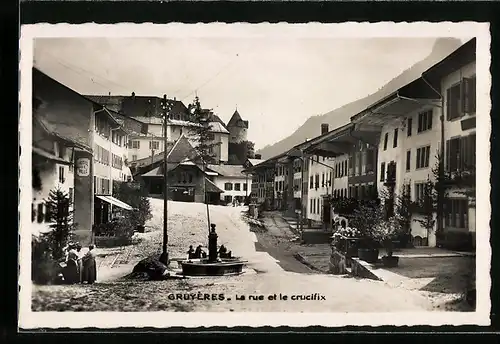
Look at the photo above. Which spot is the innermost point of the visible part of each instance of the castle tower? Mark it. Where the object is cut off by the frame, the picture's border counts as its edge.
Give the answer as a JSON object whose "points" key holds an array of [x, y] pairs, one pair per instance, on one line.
{"points": [[237, 128], [238, 149]]}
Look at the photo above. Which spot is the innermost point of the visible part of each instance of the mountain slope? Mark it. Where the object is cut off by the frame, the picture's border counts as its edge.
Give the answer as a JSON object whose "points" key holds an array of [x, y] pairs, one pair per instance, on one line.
{"points": [[341, 116]]}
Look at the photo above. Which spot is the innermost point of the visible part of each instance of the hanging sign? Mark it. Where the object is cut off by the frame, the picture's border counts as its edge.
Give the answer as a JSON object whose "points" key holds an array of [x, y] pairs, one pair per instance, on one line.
{"points": [[83, 167]]}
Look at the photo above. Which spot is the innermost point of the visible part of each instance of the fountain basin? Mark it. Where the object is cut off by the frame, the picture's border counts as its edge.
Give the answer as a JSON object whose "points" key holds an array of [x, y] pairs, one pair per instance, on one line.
{"points": [[202, 267]]}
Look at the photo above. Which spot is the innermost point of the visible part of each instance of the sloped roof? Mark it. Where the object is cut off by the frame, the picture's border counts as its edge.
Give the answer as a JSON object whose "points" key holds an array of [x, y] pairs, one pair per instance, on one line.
{"points": [[255, 161], [216, 127], [214, 118], [211, 187], [158, 171], [234, 118], [180, 152], [157, 157], [234, 171], [51, 129]]}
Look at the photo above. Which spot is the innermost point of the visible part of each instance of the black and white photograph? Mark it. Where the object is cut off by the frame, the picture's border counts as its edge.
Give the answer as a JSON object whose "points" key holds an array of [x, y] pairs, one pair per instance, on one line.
{"points": [[254, 175]]}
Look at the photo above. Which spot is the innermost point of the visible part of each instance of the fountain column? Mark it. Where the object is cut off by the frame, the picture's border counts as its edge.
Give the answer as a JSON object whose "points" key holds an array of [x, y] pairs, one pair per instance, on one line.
{"points": [[212, 244]]}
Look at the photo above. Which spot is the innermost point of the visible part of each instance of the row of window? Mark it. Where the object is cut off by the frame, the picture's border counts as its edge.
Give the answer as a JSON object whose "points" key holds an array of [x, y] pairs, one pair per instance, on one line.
{"points": [[456, 210], [101, 186], [235, 186], [361, 192], [315, 205], [341, 169], [281, 170], [40, 212], [460, 156], [101, 155], [117, 161], [340, 193], [326, 180], [424, 124]]}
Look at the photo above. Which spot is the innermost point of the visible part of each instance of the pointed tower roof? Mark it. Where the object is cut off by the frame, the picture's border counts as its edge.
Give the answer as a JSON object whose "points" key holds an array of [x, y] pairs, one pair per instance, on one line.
{"points": [[237, 121], [234, 119]]}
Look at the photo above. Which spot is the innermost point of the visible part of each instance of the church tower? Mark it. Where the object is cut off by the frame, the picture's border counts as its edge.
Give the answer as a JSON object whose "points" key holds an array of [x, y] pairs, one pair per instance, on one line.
{"points": [[237, 128], [238, 148]]}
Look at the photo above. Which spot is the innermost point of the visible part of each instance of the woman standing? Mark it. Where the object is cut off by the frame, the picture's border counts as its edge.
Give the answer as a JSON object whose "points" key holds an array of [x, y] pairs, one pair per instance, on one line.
{"points": [[89, 271], [79, 261], [71, 273]]}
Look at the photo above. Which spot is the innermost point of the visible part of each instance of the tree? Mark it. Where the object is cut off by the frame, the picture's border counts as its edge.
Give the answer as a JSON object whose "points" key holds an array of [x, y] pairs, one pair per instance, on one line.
{"points": [[134, 194], [250, 149], [404, 211], [428, 205], [61, 217], [201, 132]]}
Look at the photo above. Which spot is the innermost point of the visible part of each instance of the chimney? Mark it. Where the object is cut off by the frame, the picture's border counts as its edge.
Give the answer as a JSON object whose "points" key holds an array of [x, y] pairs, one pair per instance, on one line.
{"points": [[258, 156], [324, 128]]}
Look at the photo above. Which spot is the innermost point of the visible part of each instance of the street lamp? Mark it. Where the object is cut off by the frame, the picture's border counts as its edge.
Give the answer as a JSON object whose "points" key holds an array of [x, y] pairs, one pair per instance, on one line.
{"points": [[166, 110]]}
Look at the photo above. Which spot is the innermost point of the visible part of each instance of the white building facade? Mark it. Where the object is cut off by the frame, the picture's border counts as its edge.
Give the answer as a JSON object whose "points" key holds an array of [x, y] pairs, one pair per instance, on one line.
{"points": [[54, 165], [233, 181], [110, 154], [141, 146], [412, 143], [459, 91], [320, 173]]}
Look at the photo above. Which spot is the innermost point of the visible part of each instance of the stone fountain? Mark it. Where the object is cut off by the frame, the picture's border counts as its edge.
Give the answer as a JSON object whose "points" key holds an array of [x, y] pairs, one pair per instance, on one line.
{"points": [[213, 265]]}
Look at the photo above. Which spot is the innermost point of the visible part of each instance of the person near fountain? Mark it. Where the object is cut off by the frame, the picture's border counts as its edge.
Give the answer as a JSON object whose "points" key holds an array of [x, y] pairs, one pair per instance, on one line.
{"points": [[222, 251], [89, 267], [190, 252], [199, 253]]}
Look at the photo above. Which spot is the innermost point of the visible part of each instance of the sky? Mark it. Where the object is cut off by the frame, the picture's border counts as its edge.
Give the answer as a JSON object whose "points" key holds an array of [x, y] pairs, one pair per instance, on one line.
{"points": [[275, 83]]}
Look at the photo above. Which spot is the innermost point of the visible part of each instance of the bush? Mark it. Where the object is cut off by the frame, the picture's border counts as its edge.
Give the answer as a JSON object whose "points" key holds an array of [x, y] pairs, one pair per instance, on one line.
{"points": [[134, 194], [44, 269]]}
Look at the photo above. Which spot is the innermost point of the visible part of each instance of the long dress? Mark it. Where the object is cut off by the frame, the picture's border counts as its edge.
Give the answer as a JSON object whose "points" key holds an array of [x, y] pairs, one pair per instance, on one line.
{"points": [[71, 273], [80, 265], [89, 272]]}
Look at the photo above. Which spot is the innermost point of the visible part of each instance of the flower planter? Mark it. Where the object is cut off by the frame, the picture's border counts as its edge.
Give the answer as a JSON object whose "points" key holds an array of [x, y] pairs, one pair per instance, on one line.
{"points": [[352, 251], [390, 262], [369, 255]]}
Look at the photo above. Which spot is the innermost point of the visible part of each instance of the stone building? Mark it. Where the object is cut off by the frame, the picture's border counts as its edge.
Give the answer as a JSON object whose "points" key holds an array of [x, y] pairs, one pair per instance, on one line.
{"points": [[238, 147]]}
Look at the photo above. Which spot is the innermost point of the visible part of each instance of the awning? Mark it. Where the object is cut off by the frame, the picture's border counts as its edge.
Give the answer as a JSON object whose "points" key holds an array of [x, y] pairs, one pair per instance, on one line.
{"points": [[209, 173], [114, 201], [395, 108]]}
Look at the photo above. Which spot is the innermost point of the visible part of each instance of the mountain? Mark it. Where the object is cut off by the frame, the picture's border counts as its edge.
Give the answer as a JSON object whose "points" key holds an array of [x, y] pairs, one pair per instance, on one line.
{"points": [[341, 116]]}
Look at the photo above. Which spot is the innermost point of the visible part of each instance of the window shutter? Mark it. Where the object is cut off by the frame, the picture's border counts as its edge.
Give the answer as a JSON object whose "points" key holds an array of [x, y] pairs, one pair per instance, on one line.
{"points": [[429, 119], [463, 150], [472, 150], [410, 122], [448, 104], [472, 95], [427, 155], [448, 156], [464, 95]]}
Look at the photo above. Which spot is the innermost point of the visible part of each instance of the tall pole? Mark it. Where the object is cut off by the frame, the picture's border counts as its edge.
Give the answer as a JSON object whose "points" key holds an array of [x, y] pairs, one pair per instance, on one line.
{"points": [[164, 255]]}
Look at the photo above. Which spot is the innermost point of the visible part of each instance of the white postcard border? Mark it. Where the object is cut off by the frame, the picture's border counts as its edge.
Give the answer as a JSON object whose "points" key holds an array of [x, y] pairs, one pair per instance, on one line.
{"points": [[31, 320]]}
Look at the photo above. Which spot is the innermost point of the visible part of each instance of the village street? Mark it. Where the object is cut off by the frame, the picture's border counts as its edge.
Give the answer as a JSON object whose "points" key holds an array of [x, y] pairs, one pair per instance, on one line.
{"points": [[265, 275]]}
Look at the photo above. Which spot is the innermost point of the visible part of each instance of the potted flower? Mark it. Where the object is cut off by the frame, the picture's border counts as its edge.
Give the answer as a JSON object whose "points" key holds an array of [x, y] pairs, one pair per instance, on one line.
{"points": [[346, 239], [368, 254], [385, 232], [366, 218]]}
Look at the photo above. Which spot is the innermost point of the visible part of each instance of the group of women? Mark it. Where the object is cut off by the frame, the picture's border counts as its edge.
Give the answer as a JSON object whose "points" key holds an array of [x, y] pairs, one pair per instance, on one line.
{"points": [[80, 268]]}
